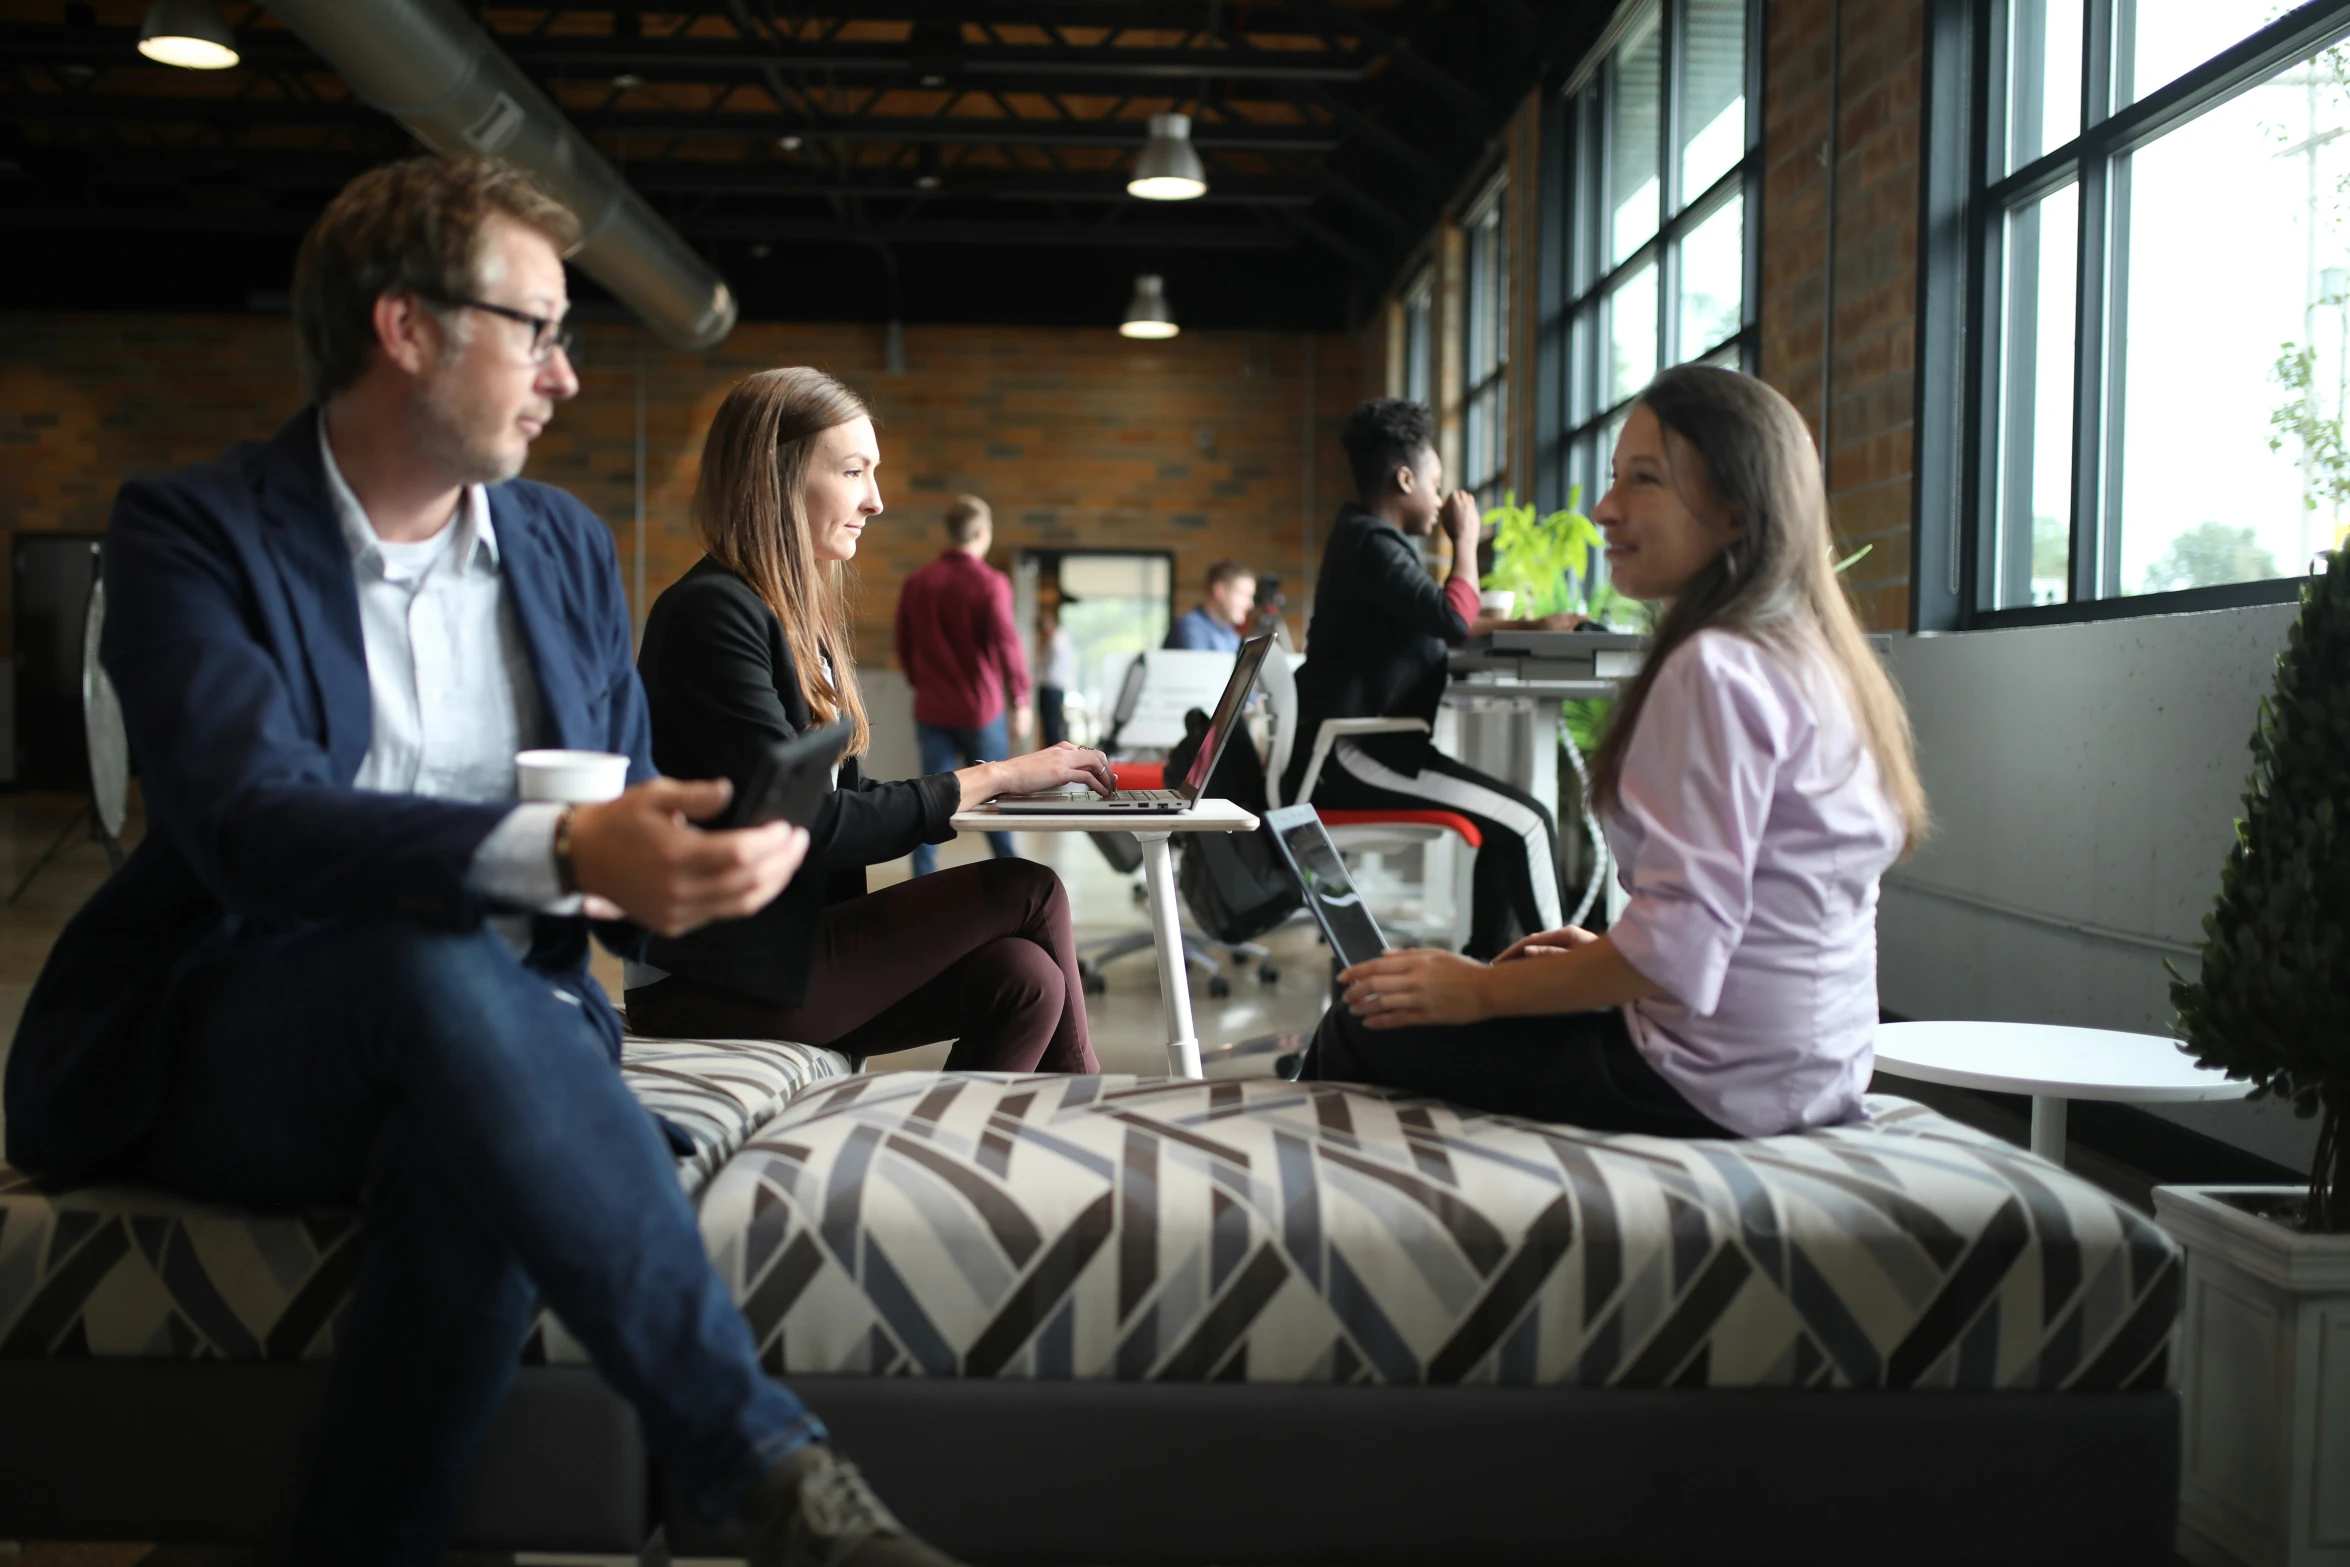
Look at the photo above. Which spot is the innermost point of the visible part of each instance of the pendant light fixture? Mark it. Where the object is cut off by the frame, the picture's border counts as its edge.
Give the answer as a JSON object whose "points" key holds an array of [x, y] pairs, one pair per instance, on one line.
{"points": [[1169, 168], [188, 33], [1147, 315]]}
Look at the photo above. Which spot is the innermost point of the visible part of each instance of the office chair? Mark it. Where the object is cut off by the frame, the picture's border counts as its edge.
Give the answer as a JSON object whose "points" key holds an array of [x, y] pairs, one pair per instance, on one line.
{"points": [[1371, 831]]}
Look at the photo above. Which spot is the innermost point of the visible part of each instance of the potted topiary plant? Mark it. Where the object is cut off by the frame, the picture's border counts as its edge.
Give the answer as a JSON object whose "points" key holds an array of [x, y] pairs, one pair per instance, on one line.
{"points": [[2265, 1352]]}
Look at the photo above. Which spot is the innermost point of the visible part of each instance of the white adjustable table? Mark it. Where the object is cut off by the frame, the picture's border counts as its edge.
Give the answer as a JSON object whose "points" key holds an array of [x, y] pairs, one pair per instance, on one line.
{"points": [[2054, 1065], [1153, 830]]}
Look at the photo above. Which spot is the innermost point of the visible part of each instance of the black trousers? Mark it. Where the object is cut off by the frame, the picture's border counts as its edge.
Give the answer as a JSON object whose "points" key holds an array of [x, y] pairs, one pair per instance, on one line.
{"points": [[1579, 1067], [980, 954], [1515, 881]]}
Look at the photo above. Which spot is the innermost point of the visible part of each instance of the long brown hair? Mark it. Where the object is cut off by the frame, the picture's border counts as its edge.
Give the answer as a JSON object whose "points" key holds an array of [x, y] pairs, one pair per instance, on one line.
{"points": [[750, 508], [1776, 582]]}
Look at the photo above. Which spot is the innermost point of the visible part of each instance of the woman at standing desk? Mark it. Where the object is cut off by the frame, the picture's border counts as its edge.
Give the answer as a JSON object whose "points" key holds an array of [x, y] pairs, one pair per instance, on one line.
{"points": [[1756, 782], [752, 646], [1378, 647]]}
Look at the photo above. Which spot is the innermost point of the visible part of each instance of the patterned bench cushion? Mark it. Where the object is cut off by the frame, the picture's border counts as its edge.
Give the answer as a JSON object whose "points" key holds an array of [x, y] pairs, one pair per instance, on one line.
{"points": [[958, 1225], [135, 1270]]}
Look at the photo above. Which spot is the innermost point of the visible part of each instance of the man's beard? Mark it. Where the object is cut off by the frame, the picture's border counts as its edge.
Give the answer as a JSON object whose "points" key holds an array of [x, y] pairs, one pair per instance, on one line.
{"points": [[454, 437]]}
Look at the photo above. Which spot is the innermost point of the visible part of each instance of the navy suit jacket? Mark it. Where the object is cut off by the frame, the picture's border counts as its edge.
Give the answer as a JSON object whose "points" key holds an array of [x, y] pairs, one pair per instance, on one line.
{"points": [[232, 634]]}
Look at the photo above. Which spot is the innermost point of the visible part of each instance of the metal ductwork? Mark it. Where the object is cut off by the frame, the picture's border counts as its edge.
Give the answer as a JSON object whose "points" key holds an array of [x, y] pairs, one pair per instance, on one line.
{"points": [[432, 68]]}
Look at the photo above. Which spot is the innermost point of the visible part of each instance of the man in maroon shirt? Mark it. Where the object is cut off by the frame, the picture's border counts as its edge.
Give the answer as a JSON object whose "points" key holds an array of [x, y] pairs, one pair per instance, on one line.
{"points": [[961, 654]]}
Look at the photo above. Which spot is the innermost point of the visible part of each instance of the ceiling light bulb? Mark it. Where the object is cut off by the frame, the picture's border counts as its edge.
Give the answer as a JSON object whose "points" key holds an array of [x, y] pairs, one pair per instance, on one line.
{"points": [[1147, 315], [1169, 168], [189, 34], [788, 143]]}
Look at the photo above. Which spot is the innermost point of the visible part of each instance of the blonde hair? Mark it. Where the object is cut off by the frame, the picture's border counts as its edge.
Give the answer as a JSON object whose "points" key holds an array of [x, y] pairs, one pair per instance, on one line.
{"points": [[1776, 583], [750, 509]]}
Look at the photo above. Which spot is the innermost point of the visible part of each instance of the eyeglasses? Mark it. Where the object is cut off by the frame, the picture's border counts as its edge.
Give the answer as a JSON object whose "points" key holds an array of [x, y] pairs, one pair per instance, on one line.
{"points": [[546, 333]]}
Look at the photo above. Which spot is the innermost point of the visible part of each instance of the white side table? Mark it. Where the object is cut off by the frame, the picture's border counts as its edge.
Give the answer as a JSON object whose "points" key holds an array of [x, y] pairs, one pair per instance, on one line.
{"points": [[1158, 878], [2054, 1065]]}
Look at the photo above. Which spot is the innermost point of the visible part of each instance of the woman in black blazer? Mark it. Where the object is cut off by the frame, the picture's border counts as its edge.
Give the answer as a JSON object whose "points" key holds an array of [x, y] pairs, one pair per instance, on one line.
{"points": [[752, 646]]}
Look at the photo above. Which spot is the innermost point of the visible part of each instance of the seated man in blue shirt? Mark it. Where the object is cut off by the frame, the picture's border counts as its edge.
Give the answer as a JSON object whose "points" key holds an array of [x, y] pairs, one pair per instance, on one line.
{"points": [[345, 967], [1213, 624]]}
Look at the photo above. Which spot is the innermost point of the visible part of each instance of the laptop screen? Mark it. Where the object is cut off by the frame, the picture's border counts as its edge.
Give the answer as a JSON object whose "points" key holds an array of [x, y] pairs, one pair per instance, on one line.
{"points": [[1228, 711]]}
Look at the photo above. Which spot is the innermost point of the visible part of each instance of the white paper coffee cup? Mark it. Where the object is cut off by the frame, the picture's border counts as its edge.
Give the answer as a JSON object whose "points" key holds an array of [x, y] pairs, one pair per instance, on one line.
{"points": [[1498, 601], [571, 777]]}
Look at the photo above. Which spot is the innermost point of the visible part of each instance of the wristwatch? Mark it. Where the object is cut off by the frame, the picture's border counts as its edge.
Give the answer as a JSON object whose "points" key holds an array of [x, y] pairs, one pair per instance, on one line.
{"points": [[565, 877]]}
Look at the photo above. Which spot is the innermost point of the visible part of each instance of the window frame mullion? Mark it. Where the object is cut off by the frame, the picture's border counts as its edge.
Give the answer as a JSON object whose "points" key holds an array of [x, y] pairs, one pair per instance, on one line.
{"points": [[2084, 552], [1979, 548]]}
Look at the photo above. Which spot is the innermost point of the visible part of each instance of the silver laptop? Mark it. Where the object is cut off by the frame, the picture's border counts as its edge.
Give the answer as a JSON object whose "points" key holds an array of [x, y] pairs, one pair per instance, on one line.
{"points": [[1078, 800]]}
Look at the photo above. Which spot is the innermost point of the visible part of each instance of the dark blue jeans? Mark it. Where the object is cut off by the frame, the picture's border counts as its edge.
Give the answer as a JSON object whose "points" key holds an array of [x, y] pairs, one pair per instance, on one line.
{"points": [[944, 750], [470, 1105]]}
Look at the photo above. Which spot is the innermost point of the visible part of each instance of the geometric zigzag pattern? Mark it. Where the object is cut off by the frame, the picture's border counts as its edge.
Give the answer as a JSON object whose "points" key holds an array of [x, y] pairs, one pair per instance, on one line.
{"points": [[132, 1270], [1264, 1231]]}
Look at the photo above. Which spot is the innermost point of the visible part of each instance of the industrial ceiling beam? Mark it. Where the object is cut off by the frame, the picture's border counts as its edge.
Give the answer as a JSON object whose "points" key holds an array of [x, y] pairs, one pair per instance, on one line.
{"points": [[307, 170], [1265, 17], [88, 108], [1461, 94], [680, 57], [715, 226]]}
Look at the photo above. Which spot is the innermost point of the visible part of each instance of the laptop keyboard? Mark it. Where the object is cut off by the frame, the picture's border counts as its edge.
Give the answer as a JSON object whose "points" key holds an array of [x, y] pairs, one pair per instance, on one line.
{"points": [[1149, 796]]}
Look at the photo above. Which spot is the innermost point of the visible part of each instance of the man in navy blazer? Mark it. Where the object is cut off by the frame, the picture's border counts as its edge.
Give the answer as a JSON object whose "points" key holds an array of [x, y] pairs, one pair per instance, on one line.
{"points": [[345, 965]]}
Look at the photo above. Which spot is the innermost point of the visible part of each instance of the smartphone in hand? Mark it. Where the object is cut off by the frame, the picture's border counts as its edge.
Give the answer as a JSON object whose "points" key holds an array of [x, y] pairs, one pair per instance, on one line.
{"points": [[792, 778]]}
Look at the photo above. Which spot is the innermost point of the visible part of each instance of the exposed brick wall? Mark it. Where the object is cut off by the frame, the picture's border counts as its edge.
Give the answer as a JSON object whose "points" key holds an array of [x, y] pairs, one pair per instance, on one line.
{"points": [[1075, 437], [1869, 379]]}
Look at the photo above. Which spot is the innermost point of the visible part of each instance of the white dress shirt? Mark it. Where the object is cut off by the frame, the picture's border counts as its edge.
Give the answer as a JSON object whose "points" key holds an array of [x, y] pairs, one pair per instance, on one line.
{"points": [[453, 689], [1750, 829]]}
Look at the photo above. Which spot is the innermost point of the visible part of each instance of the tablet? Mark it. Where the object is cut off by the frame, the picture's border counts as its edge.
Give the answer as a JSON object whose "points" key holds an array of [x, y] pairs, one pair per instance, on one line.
{"points": [[793, 778], [1313, 859]]}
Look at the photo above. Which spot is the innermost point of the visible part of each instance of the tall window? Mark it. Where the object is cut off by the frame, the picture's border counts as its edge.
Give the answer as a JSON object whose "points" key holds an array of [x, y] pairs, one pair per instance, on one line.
{"points": [[1660, 126], [1419, 339], [1485, 445], [2148, 202]]}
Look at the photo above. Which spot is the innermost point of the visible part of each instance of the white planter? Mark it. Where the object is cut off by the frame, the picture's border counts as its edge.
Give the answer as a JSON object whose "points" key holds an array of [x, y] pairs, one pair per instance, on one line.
{"points": [[2264, 1370]]}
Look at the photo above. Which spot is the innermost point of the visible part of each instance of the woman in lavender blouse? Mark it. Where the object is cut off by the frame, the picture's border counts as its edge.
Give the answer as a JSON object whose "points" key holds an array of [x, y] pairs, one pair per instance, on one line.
{"points": [[1757, 781]]}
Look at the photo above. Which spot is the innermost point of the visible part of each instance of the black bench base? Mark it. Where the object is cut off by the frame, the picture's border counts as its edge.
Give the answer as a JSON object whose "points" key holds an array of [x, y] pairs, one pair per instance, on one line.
{"points": [[1145, 1474]]}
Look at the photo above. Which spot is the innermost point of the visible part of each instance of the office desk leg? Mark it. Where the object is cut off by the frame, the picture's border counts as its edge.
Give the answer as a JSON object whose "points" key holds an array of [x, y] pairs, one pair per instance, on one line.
{"points": [[1542, 778], [1158, 877], [2048, 1127]]}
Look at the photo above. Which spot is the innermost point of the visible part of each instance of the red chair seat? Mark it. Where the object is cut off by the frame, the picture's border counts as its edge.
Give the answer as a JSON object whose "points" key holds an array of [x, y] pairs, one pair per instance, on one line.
{"points": [[1452, 821], [1153, 775]]}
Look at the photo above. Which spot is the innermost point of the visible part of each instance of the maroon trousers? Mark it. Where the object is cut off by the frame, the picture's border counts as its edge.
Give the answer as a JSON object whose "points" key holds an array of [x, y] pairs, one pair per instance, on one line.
{"points": [[981, 954]]}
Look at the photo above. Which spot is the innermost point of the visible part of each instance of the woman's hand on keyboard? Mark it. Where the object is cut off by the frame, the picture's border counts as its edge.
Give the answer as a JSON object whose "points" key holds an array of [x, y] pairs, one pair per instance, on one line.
{"points": [[1055, 767]]}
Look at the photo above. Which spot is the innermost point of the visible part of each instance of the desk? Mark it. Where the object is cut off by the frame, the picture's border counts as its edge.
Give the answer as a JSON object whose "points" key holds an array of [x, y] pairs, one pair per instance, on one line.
{"points": [[1158, 878], [1533, 672], [2053, 1065]]}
